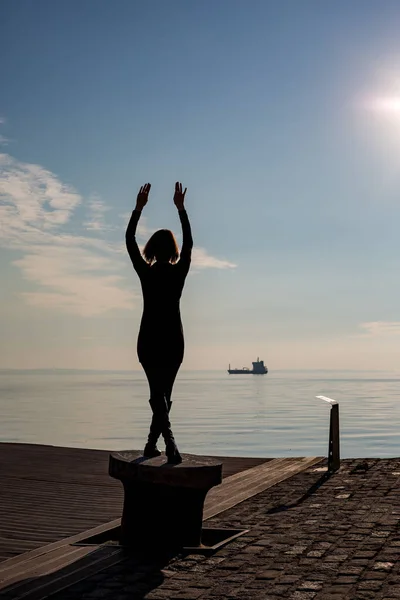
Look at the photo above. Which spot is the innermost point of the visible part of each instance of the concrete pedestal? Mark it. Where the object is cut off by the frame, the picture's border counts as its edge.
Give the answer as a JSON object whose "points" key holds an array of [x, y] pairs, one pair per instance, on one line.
{"points": [[163, 504]]}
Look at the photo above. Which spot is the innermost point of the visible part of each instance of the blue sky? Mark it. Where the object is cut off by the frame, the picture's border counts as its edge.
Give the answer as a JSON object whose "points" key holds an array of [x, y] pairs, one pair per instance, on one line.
{"points": [[283, 120]]}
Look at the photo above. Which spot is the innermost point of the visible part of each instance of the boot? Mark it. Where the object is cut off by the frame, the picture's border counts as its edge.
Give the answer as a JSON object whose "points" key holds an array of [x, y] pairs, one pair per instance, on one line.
{"points": [[171, 449], [172, 452], [151, 450], [155, 432], [162, 426]]}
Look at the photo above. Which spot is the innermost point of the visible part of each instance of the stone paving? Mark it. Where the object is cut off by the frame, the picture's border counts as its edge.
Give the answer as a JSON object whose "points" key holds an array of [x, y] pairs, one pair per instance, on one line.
{"points": [[308, 539]]}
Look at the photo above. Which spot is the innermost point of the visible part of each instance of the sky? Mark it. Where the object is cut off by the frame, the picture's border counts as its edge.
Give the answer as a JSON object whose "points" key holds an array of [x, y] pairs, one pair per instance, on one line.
{"points": [[282, 118]]}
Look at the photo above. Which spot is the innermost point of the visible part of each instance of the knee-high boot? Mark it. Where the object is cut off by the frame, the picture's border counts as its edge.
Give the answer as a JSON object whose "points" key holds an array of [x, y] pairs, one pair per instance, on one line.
{"points": [[171, 449], [155, 432], [151, 449], [161, 425]]}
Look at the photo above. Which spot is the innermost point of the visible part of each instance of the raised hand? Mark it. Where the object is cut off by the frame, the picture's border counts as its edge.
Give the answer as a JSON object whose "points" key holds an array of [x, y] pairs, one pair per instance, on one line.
{"points": [[179, 196], [143, 196]]}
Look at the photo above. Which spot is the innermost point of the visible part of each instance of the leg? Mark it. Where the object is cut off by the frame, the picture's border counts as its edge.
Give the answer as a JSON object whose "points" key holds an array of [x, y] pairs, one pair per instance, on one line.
{"points": [[170, 380], [161, 382], [171, 447], [156, 425], [156, 400]]}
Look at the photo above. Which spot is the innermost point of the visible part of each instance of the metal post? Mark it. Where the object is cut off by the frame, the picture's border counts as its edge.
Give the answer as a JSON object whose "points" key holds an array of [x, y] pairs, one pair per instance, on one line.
{"points": [[334, 438]]}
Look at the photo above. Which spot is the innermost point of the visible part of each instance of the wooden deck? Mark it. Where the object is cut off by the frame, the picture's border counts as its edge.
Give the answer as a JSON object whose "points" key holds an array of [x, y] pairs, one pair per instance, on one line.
{"points": [[49, 493], [44, 504]]}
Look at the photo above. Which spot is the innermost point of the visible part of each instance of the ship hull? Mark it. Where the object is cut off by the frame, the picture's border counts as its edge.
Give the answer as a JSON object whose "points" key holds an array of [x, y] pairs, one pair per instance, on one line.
{"points": [[245, 372]]}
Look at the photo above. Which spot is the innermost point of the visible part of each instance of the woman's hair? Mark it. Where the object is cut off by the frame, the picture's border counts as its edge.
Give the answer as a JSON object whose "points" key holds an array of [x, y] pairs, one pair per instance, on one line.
{"points": [[161, 246]]}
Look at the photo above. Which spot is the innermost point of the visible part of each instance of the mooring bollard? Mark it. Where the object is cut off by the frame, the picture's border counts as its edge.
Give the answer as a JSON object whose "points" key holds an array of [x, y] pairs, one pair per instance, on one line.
{"points": [[163, 503]]}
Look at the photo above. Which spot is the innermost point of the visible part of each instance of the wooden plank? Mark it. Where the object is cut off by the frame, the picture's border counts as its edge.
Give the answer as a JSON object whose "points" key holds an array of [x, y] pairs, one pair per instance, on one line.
{"points": [[29, 565], [64, 575], [218, 501], [251, 478], [44, 565], [43, 550], [243, 475], [237, 464]]}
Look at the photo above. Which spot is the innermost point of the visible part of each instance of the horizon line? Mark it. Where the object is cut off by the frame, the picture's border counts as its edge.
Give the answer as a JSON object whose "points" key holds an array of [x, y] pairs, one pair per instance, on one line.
{"points": [[2, 369]]}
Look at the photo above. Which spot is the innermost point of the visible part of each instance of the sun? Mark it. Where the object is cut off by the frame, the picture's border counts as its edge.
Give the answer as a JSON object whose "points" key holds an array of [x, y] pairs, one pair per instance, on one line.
{"points": [[386, 105]]}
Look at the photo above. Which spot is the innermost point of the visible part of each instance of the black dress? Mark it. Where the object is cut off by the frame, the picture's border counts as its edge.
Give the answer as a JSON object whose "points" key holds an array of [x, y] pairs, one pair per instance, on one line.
{"points": [[161, 342]]}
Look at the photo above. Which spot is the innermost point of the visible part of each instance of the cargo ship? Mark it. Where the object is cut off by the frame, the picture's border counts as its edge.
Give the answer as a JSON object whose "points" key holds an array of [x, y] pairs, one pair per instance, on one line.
{"points": [[258, 369]]}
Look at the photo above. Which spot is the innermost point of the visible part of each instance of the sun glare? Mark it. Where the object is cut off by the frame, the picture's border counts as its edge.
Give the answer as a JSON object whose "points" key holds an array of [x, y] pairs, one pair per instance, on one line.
{"points": [[386, 105]]}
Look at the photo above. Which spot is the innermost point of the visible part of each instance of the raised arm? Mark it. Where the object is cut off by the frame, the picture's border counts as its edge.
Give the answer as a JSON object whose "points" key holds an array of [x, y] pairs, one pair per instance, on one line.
{"points": [[187, 240], [138, 261]]}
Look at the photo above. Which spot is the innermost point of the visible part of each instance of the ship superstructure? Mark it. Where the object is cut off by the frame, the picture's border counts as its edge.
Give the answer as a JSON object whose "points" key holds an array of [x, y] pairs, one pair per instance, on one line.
{"points": [[258, 369]]}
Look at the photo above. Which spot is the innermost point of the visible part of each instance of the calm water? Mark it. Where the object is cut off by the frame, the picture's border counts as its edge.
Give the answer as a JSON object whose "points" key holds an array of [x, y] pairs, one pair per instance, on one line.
{"points": [[213, 412]]}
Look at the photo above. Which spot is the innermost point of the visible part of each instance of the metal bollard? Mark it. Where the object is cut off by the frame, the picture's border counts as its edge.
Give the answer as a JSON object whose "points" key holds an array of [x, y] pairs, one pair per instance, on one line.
{"points": [[334, 438]]}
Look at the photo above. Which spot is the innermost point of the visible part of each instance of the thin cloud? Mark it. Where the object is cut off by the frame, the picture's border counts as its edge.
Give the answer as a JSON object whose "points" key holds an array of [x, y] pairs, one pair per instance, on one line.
{"points": [[78, 274], [97, 210], [380, 328], [202, 260], [75, 274], [80, 282], [34, 196], [143, 231]]}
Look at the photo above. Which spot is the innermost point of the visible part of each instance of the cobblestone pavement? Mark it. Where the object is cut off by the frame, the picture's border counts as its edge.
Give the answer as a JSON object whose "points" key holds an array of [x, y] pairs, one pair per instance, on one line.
{"points": [[337, 540]]}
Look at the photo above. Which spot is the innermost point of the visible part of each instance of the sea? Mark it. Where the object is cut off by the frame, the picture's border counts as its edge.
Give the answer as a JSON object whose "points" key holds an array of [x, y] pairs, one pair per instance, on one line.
{"points": [[213, 413]]}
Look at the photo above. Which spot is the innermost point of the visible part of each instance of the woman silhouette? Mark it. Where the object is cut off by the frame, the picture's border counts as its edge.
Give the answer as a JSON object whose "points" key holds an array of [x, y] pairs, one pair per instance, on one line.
{"points": [[160, 345]]}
